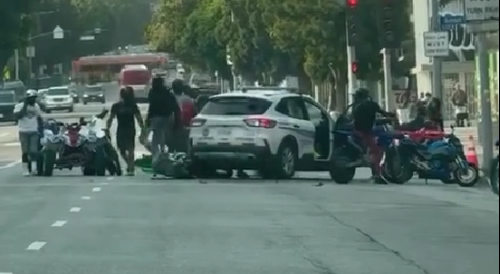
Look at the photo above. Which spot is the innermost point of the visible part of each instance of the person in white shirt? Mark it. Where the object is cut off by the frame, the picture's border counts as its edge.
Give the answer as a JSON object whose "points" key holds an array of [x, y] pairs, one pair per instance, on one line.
{"points": [[29, 118]]}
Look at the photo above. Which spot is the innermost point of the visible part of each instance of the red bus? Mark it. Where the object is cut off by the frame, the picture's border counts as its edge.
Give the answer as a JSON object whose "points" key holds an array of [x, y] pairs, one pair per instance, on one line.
{"points": [[105, 68], [138, 77]]}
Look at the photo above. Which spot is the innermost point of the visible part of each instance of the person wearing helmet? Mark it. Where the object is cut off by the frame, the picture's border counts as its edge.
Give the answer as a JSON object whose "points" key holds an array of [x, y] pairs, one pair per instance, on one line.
{"points": [[364, 113], [28, 115]]}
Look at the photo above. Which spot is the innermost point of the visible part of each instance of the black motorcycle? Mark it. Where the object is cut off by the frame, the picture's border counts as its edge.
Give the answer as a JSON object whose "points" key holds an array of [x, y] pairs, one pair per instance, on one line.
{"points": [[494, 174]]}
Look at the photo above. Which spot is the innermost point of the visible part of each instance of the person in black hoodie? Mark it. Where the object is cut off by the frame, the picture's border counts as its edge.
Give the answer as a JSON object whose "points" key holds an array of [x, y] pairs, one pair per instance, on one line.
{"points": [[163, 115]]}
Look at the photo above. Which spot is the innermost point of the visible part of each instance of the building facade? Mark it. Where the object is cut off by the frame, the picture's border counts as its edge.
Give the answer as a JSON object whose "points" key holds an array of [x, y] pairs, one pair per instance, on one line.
{"points": [[459, 68]]}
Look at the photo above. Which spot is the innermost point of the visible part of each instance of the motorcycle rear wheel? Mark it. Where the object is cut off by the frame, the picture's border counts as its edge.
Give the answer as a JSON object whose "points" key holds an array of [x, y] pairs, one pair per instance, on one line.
{"points": [[494, 176], [400, 175], [339, 173]]}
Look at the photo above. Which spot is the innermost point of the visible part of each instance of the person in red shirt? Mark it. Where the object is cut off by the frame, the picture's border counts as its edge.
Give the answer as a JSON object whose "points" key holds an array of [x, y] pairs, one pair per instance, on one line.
{"points": [[187, 113]]}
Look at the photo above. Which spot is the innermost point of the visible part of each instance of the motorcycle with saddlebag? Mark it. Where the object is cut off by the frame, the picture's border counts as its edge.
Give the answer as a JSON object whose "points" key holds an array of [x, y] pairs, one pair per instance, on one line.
{"points": [[432, 154]]}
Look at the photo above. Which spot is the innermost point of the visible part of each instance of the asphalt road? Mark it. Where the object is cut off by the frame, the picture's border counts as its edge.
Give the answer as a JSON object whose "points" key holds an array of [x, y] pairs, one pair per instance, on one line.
{"points": [[69, 224]]}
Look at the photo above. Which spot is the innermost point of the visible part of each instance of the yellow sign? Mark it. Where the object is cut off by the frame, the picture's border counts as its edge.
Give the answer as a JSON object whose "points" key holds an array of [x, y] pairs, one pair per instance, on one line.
{"points": [[6, 73]]}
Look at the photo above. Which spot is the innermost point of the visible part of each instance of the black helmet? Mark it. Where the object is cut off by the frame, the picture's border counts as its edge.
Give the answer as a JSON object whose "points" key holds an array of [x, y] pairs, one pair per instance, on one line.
{"points": [[361, 94]]}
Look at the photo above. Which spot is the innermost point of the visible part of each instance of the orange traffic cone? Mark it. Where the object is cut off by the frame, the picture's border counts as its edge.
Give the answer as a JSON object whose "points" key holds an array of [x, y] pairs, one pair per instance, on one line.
{"points": [[471, 153]]}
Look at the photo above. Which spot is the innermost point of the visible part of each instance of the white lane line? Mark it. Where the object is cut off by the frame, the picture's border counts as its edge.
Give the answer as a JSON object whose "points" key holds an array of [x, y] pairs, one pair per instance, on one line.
{"points": [[16, 144], [86, 198], [1, 136], [110, 178], [59, 224], [9, 165], [96, 189], [35, 246], [75, 209], [6, 273]]}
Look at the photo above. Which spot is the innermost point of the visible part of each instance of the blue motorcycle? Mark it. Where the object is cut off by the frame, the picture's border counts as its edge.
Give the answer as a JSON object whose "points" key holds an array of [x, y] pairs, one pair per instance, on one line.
{"points": [[437, 159], [494, 173]]}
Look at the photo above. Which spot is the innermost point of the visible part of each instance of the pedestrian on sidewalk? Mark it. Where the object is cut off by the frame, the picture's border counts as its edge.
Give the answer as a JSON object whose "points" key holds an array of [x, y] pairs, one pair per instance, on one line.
{"points": [[459, 102]]}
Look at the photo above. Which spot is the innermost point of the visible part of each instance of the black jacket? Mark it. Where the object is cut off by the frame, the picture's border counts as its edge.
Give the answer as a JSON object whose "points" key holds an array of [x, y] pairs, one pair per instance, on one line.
{"points": [[162, 103]]}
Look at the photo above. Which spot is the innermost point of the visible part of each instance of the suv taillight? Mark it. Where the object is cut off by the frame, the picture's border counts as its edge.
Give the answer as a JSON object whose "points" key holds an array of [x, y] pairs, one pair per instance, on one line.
{"points": [[198, 122], [260, 122]]}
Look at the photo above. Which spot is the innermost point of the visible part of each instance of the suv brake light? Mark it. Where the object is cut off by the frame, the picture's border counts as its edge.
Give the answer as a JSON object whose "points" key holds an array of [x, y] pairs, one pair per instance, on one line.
{"points": [[260, 122], [198, 122]]}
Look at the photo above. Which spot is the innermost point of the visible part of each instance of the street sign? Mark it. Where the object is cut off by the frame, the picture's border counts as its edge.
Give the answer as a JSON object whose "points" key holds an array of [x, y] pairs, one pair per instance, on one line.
{"points": [[58, 32], [481, 10], [436, 44], [448, 20]]}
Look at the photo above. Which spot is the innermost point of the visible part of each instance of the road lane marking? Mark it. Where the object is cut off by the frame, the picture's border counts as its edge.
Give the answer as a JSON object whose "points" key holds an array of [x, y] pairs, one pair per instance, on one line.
{"points": [[86, 198], [59, 223], [6, 273], [35, 246], [75, 209], [96, 189], [110, 178], [16, 144], [1, 136], [9, 165]]}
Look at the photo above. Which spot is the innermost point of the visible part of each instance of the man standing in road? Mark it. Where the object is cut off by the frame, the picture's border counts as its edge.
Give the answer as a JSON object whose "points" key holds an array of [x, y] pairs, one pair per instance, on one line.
{"points": [[187, 113], [163, 116], [28, 115]]}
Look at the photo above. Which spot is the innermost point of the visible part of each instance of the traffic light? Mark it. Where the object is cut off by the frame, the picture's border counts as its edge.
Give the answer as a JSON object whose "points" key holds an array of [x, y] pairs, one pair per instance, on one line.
{"points": [[354, 67], [387, 23], [352, 19]]}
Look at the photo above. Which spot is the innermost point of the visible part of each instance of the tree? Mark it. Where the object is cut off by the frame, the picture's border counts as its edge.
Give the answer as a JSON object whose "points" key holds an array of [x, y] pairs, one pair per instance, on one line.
{"points": [[14, 27]]}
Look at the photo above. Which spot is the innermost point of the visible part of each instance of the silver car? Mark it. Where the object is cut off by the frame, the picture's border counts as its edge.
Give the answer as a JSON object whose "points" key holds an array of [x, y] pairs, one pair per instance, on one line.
{"points": [[58, 98]]}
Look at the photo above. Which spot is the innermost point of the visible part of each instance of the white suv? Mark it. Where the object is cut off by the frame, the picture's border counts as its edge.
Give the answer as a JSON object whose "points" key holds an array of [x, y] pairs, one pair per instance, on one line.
{"points": [[273, 131]]}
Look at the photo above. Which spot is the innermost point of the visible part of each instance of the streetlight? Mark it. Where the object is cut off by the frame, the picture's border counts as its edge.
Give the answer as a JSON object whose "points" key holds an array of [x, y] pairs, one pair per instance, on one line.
{"points": [[57, 34]]}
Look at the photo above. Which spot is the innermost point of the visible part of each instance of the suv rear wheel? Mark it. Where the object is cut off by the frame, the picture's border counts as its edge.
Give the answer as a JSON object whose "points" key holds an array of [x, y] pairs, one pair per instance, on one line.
{"points": [[283, 164]]}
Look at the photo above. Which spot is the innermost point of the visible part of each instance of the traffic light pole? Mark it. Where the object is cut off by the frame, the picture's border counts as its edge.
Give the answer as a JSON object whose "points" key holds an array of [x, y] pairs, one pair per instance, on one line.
{"points": [[351, 76], [437, 62], [388, 93]]}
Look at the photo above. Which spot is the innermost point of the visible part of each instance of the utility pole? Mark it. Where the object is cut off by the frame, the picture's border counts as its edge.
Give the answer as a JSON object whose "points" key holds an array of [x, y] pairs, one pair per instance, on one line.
{"points": [[388, 92], [437, 61], [352, 20], [482, 18]]}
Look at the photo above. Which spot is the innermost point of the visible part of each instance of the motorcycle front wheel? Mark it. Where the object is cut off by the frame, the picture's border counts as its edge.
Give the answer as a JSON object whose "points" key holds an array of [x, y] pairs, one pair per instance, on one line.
{"points": [[467, 178]]}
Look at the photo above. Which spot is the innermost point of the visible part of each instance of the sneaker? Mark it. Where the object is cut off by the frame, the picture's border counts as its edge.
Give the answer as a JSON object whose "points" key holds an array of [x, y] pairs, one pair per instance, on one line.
{"points": [[26, 173]]}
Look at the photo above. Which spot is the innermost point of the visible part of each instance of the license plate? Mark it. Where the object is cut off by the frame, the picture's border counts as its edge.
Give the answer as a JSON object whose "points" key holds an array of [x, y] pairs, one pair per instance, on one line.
{"points": [[224, 132]]}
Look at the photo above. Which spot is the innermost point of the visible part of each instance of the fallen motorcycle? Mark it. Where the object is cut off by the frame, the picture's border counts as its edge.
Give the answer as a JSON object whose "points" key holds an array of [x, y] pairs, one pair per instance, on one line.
{"points": [[494, 169], [432, 154]]}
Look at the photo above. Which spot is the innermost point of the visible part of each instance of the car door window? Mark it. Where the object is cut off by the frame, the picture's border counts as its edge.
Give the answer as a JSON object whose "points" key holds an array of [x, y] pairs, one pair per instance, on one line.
{"points": [[316, 115], [292, 108]]}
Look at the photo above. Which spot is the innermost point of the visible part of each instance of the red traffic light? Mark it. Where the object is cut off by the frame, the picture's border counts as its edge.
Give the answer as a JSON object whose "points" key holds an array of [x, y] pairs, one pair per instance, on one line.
{"points": [[354, 67], [352, 3]]}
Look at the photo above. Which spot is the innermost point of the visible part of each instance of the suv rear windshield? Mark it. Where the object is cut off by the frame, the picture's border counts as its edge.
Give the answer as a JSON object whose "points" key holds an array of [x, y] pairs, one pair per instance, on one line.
{"points": [[235, 106]]}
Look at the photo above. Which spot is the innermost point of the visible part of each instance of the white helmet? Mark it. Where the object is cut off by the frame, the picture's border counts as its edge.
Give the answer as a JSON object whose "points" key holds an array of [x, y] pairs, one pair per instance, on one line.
{"points": [[31, 93]]}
